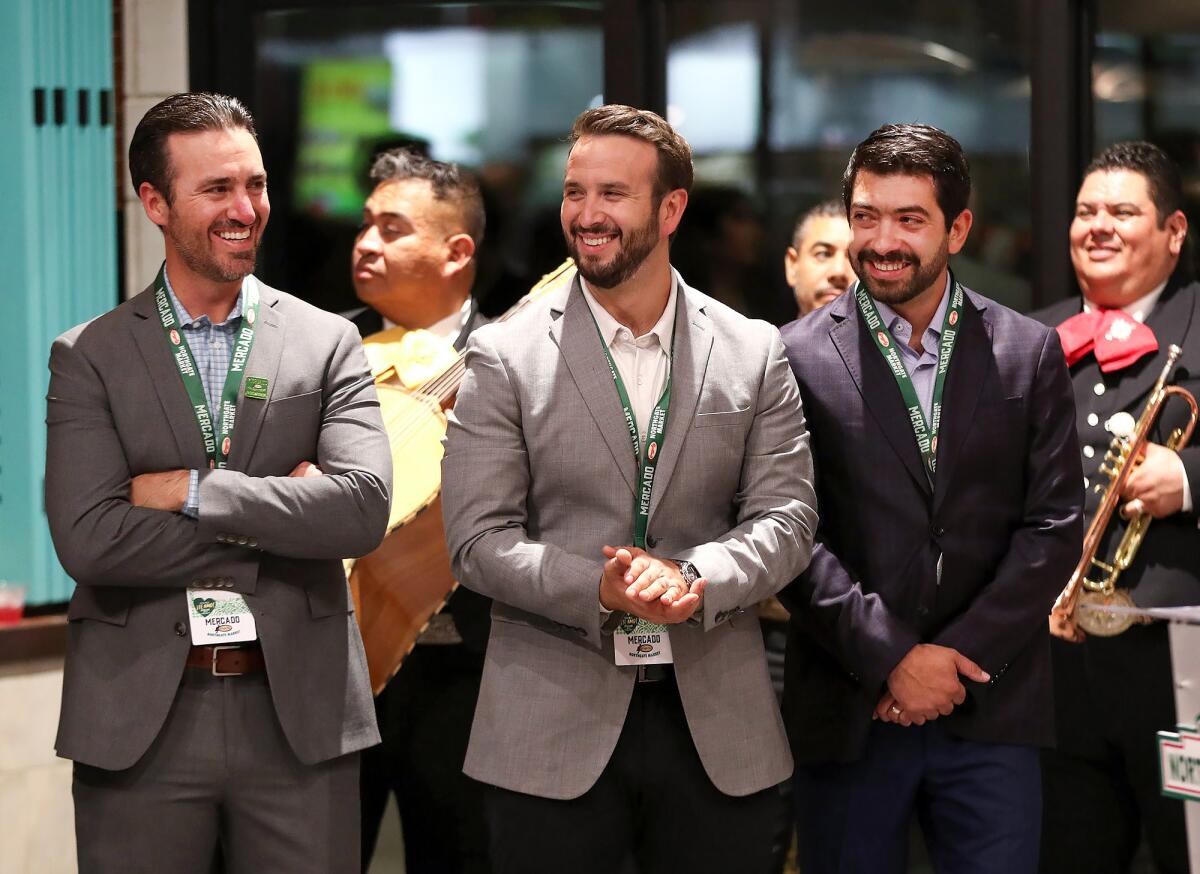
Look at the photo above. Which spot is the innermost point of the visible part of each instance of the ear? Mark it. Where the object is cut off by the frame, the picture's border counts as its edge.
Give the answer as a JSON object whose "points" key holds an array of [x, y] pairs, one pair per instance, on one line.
{"points": [[1177, 227], [959, 229], [791, 259], [156, 206], [670, 211], [460, 250]]}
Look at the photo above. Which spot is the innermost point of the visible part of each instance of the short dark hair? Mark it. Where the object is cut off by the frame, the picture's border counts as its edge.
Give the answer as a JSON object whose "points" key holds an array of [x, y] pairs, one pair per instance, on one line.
{"points": [[914, 150], [825, 209], [449, 183], [674, 154], [187, 113], [1161, 173]]}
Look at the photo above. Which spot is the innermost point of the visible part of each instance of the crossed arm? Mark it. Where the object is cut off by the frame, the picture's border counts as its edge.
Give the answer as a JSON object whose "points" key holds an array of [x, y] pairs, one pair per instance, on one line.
{"points": [[114, 528]]}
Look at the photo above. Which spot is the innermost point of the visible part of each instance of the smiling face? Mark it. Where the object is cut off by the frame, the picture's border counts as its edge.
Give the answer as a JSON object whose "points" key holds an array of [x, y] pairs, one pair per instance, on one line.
{"points": [[219, 207], [818, 265], [1118, 247], [611, 219], [899, 243]]}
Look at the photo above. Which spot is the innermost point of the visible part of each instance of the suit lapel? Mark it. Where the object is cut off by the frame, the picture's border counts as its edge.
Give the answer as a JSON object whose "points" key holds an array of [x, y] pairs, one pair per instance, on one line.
{"points": [[168, 386], [263, 362], [965, 380], [579, 343], [876, 385], [693, 344], [1169, 320]]}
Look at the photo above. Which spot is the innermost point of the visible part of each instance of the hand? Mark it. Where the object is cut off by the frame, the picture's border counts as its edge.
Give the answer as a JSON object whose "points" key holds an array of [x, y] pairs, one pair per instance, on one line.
{"points": [[1064, 626], [618, 592], [306, 468], [887, 710], [166, 490], [925, 684], [1156, 485], [651, 578]]}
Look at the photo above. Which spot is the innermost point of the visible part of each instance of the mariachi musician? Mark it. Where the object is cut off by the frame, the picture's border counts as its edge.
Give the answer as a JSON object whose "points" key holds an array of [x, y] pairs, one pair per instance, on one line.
{"points": [[1113, 692], [414, 264]]}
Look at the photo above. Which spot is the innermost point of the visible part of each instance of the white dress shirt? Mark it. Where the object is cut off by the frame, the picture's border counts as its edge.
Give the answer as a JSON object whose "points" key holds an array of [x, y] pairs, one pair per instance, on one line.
{"points": [[643, 362]]}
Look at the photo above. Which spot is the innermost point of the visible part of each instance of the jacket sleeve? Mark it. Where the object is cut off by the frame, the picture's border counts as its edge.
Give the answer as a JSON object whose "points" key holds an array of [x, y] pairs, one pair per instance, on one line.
{"points": [[485, 485], [776, 505], [1043, 551], [341, 514]]}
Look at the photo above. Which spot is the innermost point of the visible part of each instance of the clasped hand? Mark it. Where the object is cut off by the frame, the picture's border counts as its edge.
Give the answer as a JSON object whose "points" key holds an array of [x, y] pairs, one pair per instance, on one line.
{"points": [[926, 685], [651, 588]]}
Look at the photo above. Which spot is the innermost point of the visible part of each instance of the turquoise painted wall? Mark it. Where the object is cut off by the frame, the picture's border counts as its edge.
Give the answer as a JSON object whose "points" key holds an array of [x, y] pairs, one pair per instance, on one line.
{"points": [[58, 242]]}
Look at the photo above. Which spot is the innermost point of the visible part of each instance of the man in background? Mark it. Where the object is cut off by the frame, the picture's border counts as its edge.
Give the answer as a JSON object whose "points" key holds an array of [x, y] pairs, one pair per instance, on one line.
{"points": [[1113, 693], [414, 264], [817, 264]]}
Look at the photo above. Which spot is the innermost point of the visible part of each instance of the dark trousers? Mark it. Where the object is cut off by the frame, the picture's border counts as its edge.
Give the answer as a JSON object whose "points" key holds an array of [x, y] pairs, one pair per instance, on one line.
{"points": [[425, 715], [653, 810], [219, 774], [979, 805], [1102, 787]]}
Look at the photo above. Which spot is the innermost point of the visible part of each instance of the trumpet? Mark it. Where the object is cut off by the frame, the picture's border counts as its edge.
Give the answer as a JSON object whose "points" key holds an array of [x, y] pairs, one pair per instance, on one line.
{"points": [[1081, 605]]}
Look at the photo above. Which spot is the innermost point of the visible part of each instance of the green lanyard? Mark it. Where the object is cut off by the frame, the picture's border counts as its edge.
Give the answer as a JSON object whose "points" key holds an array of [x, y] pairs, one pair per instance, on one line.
{"points": [[925, 432], [654, 435], [216, 437]]}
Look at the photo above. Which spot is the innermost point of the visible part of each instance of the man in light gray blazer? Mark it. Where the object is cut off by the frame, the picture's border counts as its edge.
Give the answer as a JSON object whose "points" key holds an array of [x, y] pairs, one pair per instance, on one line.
{"points": [[214, 449], [626, 708]]}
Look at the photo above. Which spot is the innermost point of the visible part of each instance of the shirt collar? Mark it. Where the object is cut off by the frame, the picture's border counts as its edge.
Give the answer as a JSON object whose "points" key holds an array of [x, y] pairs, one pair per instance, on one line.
{"points": [[185, 318], [1138, 310], [448, 328], [663, 329], [891, 318]]}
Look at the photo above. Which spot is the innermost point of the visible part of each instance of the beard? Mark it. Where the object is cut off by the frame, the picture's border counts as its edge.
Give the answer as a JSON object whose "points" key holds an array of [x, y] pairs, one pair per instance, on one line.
{"points": [[633, 250], [897, 291], [195, 252]]}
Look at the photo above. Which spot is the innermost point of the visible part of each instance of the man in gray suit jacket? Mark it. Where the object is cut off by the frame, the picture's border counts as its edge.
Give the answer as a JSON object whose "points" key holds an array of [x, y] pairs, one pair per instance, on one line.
{"points": [[626, 707], [214, 449]]}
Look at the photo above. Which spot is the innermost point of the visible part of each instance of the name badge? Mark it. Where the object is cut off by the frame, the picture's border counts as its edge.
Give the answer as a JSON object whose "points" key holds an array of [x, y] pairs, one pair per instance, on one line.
{"points": [[219, 617], [636, 642]]}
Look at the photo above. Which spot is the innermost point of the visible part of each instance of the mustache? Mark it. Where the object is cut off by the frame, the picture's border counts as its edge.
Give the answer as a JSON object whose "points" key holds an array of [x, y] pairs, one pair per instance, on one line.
{"points": [[867, 256], [597, 230]]}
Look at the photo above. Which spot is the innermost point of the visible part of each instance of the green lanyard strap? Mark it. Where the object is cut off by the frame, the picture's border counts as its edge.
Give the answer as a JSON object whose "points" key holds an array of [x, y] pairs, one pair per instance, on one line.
{"points": [[648, 461], [924, 430], [216, 436]]}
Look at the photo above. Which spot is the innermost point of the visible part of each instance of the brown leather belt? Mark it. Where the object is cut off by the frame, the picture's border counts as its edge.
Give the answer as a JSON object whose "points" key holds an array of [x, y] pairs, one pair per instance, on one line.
{"points": [[228, 660]]}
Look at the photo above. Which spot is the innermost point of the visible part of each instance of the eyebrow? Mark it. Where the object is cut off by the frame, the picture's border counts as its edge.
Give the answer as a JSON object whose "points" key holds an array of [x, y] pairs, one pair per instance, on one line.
{"points": [[225, 180], [914, 208]]}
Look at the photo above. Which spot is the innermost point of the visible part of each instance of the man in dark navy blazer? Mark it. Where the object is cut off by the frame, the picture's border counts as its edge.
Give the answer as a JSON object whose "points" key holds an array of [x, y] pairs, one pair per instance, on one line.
{"points": [[918, 673]]}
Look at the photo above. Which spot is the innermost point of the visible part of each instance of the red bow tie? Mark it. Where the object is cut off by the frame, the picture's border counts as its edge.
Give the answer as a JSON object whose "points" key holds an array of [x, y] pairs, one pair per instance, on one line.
{"points": [[1117, 339]]}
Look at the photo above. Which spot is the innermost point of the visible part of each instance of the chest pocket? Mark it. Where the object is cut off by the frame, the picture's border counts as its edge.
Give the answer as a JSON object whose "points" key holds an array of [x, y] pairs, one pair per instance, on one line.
{"points": [[292, 426]]}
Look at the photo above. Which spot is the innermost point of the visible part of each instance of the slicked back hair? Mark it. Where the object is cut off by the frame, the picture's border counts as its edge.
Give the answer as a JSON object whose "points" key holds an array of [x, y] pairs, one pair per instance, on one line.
{"points": [[674, 154], [825, 209], [914, 150], [449, 182], [1162, 175], [188, 113]]}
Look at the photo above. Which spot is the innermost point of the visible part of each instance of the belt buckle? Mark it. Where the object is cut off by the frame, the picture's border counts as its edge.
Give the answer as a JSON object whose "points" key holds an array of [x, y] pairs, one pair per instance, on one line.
{"points": [[216, 651]]}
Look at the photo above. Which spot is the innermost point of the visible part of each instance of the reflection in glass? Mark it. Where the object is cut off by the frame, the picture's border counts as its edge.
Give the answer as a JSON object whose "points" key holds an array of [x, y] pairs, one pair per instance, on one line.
{"points": [[494, 87], [774, 95]]}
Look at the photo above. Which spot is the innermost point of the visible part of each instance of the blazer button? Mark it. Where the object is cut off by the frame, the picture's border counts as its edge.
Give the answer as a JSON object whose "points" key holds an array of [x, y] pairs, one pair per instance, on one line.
{"points": [[938, 531], [242, 540], [180, 629], [651, 541]]}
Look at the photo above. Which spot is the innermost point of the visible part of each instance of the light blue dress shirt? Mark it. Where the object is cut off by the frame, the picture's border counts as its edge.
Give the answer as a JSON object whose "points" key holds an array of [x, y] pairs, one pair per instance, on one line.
{"points": [[922, 366]]}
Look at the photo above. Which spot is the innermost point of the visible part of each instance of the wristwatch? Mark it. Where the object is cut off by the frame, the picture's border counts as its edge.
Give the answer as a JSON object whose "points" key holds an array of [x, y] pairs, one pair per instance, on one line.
{"points": [[687, 570]]}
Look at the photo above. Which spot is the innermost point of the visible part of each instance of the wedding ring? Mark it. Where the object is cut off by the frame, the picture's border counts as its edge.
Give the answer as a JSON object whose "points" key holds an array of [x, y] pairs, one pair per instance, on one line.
{"points": [[894, 710]]}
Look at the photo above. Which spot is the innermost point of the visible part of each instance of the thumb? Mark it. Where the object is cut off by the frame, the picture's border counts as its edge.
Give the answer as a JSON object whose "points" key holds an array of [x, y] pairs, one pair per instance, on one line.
{"points": [[969, 669]]}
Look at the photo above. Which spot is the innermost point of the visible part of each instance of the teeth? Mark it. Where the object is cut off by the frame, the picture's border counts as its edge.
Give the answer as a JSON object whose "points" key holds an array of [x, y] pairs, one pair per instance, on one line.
{"points": [[598, 241], [889, 265], [234, 235]]}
